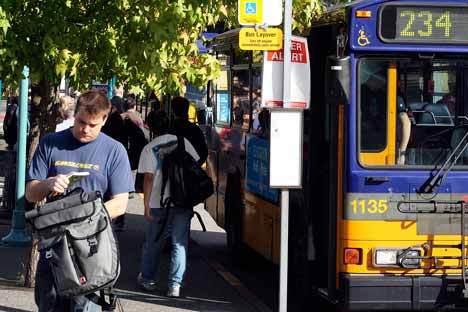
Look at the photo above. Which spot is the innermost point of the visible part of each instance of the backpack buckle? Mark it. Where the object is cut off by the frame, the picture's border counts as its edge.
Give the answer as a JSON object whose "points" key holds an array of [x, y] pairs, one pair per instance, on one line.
{"points": [[48, 254], [92, 242]]}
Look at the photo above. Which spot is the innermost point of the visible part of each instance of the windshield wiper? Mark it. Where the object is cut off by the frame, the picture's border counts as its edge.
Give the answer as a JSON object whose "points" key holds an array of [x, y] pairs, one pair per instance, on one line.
{"points": [[435, 181]]}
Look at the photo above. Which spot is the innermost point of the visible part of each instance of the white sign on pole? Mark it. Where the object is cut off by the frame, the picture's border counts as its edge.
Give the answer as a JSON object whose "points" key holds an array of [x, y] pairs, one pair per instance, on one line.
{"points": [[272, 84], [260, 12], [272, 12], [286, 148]]}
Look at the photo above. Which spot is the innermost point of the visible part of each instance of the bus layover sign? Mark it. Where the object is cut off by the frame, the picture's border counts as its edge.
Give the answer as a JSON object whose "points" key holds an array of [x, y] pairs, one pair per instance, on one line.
{"points": [[272, 80], [260, 39]]}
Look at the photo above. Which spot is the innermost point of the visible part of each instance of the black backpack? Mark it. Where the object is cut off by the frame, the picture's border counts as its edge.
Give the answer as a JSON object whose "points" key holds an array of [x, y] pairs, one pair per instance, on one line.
{"points": [[189, 184]]}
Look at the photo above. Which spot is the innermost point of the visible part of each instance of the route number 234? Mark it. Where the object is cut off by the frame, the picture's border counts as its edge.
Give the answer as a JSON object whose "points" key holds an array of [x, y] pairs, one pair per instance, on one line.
{"points": [[421, 23], [371, 206]]}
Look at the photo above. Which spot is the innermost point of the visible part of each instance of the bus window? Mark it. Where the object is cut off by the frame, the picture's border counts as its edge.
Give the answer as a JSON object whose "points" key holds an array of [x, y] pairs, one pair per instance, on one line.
{"points": [[408, 111], [257, 126], [240, 99], [444, 79], [221, 91]]}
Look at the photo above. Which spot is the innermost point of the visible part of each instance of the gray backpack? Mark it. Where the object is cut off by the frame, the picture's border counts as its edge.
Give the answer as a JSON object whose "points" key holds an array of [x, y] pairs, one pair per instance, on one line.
{"points": [[76, 235]]}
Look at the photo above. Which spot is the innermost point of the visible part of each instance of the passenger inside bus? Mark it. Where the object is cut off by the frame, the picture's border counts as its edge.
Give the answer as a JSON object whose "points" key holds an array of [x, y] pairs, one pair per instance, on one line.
{"points": [[405, 124], [448, 100], [240, 99]]}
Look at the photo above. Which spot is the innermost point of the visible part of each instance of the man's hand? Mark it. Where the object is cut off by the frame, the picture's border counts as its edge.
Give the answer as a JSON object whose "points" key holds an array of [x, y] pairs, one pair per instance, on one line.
{"points": [[58, 184], [148, 216], [147, 189], [37, 190], [117, 205]]}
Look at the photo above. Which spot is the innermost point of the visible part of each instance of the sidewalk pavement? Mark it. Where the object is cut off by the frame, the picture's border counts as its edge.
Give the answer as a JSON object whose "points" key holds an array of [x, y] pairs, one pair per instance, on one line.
{"points": [[208, 287]]}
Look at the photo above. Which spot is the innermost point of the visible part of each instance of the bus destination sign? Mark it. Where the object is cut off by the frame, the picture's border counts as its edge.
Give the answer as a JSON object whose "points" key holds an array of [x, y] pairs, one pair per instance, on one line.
{"points": [[424, 24]]}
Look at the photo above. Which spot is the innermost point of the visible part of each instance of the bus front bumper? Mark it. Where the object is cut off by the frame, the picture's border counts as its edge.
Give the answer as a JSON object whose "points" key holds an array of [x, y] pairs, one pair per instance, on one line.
{"points": [[382, 292]]}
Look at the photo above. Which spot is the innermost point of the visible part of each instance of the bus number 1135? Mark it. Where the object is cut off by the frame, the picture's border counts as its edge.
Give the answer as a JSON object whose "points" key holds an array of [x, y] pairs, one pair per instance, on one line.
{"points": [[371, 206]]}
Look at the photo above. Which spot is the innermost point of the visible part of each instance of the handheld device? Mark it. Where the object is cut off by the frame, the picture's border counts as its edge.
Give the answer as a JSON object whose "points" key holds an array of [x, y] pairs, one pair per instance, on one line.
{"points": [[75, 176]]}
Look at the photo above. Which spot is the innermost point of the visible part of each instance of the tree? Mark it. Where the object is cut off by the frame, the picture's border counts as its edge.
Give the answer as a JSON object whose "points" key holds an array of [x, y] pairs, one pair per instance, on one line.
{"points": [[145, 43], [148, 43]]}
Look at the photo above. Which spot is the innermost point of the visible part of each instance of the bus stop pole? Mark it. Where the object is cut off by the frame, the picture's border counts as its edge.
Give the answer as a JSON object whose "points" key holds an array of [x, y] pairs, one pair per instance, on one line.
{"points": [[18, 235], [283, 287], [283, 293], [110, 87]]}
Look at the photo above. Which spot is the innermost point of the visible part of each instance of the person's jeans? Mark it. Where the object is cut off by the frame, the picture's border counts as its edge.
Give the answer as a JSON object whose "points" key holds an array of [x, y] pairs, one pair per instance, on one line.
{"points": [[177, 228], [46, 296]]}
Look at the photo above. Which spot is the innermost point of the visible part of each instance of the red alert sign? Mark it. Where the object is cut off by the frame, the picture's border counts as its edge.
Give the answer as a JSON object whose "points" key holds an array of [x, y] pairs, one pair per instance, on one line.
{"points": [[272, 84]]}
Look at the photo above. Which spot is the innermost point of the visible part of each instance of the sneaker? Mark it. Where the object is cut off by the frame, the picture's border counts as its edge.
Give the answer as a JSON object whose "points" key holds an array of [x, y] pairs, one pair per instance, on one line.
{"points": [[174, 291], [148, 285]]}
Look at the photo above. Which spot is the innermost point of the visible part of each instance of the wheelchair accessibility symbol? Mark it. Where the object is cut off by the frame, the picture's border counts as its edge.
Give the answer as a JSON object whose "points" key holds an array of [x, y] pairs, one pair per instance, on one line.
{"points": [[363, 40], [250, 8]]}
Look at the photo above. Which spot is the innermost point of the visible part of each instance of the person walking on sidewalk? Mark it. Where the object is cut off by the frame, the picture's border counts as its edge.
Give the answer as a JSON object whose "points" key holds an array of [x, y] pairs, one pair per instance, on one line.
{"points": [[177, 226], [81, 148], [183, 127], [115, 128], [134, 128]]}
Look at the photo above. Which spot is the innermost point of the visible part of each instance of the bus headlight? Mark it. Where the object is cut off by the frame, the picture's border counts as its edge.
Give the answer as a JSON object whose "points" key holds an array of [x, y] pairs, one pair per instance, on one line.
{"points": [[397, 257]]}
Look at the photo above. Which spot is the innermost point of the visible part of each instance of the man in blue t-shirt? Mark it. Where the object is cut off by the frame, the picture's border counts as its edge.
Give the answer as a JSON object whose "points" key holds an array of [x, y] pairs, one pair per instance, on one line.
{"points": [[82, 148]]}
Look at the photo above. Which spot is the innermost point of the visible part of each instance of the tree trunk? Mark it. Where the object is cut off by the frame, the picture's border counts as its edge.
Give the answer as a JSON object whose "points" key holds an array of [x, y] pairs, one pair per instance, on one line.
{"points": [[43, 119], [29, 279]]}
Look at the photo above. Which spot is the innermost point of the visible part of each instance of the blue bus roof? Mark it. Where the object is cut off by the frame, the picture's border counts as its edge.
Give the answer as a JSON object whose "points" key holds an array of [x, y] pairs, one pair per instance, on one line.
{"points": [[366, 35]]}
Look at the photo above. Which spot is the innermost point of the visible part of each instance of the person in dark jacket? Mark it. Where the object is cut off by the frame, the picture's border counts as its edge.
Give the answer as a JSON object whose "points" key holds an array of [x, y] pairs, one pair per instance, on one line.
{"points": [[10, 124], [115, 128], [181, 126]]}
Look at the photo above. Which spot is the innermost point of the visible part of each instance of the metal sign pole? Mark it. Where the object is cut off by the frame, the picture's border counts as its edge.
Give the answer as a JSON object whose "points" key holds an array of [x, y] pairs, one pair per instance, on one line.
{"points": [[283, 287], [283, 291], [18, 235]]}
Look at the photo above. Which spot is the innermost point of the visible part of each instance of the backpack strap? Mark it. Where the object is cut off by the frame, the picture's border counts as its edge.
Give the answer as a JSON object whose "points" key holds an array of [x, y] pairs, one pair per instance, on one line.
{"points": [[163, 185], [181, 143], [164, 203], [101, 299], [200, 220], [165, 175]]}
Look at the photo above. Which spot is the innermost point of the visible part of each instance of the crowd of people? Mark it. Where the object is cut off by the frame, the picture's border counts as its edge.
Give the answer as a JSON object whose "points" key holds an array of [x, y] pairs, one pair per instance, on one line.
{"points": [[110, 140]]}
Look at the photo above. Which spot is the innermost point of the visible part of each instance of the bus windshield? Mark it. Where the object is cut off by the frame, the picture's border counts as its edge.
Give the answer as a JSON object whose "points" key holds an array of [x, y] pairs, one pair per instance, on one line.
{"points": [[411, 111]]}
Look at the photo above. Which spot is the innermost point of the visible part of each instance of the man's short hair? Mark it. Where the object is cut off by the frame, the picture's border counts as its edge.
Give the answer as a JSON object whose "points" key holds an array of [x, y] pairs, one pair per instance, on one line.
{"points": [[118, 103], [154, 102], [131, 101], [158, 122], [93, 102], [180, 106]]}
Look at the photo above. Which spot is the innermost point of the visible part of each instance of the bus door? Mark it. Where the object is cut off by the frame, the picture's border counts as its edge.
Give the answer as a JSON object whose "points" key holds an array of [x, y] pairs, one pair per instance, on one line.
{"points": [[219, 98], [336, 112]]}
